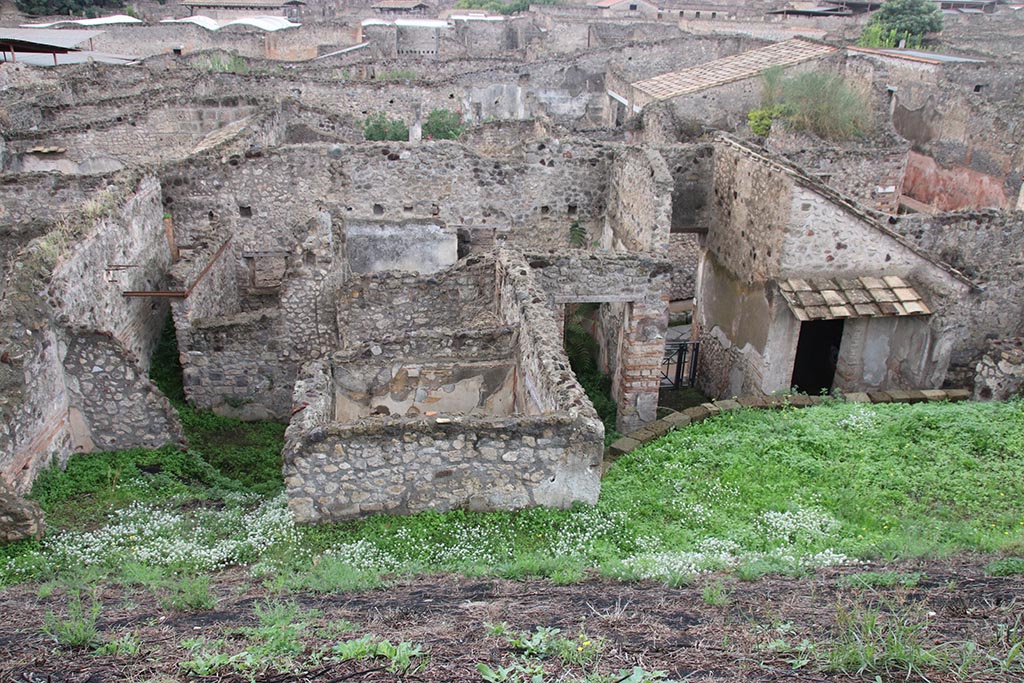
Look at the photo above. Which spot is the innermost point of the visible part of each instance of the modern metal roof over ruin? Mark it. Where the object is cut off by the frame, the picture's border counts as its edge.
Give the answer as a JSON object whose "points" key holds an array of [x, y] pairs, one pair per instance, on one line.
{"points": [[46, 40], [733, 68], [860, 297], [916, 55]]}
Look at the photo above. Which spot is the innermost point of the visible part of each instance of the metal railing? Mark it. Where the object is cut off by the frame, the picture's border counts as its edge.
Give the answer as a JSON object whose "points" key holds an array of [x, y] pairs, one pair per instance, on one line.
{"points": [[679, 365]]}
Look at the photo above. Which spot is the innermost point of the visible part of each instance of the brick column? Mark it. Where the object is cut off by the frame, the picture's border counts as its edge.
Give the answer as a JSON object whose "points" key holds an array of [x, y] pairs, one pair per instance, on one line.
{"points": [[638, 375]]}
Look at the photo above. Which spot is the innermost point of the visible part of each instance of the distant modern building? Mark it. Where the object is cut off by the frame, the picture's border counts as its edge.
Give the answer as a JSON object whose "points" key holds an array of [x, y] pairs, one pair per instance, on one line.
{"points": [[238, 9], [401, 7]]}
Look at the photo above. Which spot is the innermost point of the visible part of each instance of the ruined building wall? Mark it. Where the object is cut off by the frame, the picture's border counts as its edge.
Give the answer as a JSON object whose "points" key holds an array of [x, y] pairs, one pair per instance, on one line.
{"points": [[984, 245], [392, 305], [633, 291], [529, 202], [77, 378], [160, 133], [692, 169], [962, 119], [639, 212], [772, 222], [548, 454], [293, 44], [234, 362], [870, 172]]}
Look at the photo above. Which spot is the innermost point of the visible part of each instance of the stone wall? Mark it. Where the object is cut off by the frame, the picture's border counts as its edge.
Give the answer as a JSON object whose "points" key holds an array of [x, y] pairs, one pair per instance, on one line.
{"points": [[113, 404], [872, 172], [632, 321], [68, 281], [404, 465], [528, 202], [547, 453], [774, 222], [547, 382], [960, 116], [985, 246], [639, 208], [293, 44], [392, 305], [162, 132], [1000, 372], [750, 209]]}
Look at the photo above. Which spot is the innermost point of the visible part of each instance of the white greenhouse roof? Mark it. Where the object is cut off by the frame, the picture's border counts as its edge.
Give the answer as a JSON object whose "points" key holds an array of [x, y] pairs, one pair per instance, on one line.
{"points": [[264, 23], [99, 21]]}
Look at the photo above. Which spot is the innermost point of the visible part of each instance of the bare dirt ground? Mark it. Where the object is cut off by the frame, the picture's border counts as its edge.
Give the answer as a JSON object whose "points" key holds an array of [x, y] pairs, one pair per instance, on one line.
{"points": [[753, 633]]}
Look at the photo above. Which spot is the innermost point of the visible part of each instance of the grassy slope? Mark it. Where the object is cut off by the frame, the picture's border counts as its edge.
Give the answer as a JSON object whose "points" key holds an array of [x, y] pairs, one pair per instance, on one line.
{"points": [[762, 491]]}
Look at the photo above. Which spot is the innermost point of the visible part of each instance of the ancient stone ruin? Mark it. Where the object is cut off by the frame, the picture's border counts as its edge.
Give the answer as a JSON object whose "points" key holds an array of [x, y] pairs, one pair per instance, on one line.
{"points": [[401, 304]]}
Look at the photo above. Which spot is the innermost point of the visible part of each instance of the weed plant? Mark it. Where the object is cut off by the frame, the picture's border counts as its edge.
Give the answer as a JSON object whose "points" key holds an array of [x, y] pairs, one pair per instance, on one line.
{"points": [[77, 628]]}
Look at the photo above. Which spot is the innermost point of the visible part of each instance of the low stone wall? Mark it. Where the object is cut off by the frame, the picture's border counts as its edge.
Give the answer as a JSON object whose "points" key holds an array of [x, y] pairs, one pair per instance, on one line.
{"points": [[1000, 373], [405, 465], [19, 518]]}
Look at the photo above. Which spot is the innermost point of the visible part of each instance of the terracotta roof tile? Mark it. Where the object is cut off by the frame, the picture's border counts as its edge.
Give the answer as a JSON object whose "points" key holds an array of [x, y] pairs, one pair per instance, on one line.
{"points": [[732, 68], [866, 297]]}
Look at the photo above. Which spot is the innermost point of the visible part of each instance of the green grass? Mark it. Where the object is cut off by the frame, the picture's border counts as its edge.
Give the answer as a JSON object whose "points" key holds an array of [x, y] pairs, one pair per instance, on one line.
{"points": [[751, 491], [247, 452]]}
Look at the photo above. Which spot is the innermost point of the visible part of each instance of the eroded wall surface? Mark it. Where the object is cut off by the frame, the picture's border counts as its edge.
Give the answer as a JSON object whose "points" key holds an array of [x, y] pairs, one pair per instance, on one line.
{"points": [[77, 351]]}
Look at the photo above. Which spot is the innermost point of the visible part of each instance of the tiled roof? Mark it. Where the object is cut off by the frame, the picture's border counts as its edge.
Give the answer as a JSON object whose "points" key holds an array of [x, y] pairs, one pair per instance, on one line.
{"points": [[863, 297], [733, 68]]}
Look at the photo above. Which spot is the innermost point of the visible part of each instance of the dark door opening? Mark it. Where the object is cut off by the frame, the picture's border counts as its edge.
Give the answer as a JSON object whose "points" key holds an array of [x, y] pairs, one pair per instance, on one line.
{"points": [[816, 354]]}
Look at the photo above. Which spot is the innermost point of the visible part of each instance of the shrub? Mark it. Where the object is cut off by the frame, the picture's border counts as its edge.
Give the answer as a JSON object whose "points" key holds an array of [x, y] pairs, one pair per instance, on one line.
{"points": [[876, 35], [443, 124], [823, 104], [816, 102], [760, 120], [379, 127]]}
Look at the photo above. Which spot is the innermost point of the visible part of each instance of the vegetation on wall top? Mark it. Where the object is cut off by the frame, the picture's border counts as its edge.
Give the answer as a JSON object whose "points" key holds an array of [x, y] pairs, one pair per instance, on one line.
{"points": [[499, 7], [380, 126], [816, 102], [443, 124]]}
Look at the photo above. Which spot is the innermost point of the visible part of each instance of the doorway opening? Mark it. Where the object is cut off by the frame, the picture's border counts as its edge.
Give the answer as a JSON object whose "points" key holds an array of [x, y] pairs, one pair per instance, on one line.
{"points": [[817, 353]]}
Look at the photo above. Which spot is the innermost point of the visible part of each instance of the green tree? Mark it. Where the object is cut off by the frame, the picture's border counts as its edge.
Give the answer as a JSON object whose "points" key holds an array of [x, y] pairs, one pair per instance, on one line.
{"points": [[91, 8], [443, 124], [911, 19], [380, 127]]}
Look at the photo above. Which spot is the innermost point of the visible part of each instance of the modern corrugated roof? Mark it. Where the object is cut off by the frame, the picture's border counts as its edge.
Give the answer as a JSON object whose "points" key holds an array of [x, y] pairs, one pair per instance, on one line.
{"points": [[860, 297], [62, 39], [733, 68], [76, 57], [237, 4], [263, 23], [915, 55]]}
